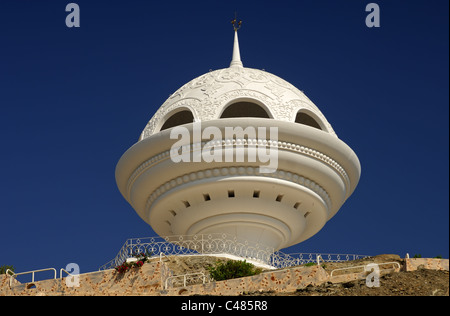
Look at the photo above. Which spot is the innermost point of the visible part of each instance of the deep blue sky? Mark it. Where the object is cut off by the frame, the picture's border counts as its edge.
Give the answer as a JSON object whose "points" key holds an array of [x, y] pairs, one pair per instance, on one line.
{"points": [[73, 100]]}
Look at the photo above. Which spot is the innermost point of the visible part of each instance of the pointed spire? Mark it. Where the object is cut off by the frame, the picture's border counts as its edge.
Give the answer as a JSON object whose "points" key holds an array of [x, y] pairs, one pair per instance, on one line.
{"points": [[236, 59]]}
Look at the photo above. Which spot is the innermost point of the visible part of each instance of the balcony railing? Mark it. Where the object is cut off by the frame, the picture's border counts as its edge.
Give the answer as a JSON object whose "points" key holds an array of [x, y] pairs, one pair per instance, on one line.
{"points": [[218, 244]]}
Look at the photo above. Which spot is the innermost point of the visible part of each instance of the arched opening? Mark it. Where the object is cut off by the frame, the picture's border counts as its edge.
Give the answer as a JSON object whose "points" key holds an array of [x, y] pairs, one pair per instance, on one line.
{"points": [[244, 109], [179, 118], [303, 118]]}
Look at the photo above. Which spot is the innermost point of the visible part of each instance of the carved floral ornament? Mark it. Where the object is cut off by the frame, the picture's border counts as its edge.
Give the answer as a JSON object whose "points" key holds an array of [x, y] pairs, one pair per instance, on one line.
{"points": [[208, 95]]}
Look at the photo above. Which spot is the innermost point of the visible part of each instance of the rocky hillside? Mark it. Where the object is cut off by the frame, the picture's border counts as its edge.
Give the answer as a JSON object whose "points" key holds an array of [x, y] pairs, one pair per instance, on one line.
{"points": [[421, 282], [413, 283]]}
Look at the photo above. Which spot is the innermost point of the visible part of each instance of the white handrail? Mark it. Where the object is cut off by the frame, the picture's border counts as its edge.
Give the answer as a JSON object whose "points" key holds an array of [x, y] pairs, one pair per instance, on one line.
{"points": [[10, 276], [14, 275], [318, 258], [185, 278], [162, 254], [379, 264], [61, 271]]}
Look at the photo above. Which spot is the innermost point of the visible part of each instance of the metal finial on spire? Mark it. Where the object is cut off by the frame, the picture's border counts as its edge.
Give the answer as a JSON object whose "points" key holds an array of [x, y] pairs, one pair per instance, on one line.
{"points": [[236, 24], [236, 59]]}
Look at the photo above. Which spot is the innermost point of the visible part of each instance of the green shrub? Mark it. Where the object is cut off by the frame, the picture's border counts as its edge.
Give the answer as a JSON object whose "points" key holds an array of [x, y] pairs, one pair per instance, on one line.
{"points": [[233, 269], [311, 264], [4, 268]]}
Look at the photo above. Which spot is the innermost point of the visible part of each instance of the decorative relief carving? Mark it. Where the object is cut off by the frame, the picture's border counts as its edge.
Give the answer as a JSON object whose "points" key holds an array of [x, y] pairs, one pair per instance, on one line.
{"points": [[211, 89], [230, 75], [207, 94], [226, 97], [207, 109], [191, 104], [253, 75], [200, 81]]}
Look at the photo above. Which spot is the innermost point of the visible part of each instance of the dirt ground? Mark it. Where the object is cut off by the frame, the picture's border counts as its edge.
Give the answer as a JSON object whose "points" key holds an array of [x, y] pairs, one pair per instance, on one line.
{"points": [[413, 283], [421, 282]]}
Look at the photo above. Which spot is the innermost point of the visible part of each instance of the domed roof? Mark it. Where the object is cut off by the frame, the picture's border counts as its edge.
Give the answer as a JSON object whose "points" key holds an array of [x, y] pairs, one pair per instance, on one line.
{"points": [[236, 91]]}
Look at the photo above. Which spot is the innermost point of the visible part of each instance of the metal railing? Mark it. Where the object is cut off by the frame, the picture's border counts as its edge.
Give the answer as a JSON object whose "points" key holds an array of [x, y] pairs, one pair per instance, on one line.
{"points": [[205, 244], [188, 279], [161, 255], [328, 257], [191, 245], [68, 274], [218, 244], [13, 275], [394, 263]]}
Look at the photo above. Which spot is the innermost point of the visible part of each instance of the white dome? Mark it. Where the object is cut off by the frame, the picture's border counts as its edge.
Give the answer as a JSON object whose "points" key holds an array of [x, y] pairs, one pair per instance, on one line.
{"points": [[208, 96]]}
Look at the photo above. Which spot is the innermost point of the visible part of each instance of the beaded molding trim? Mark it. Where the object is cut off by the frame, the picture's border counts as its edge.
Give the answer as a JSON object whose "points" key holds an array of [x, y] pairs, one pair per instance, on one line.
{"points": [[239, 142]]}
